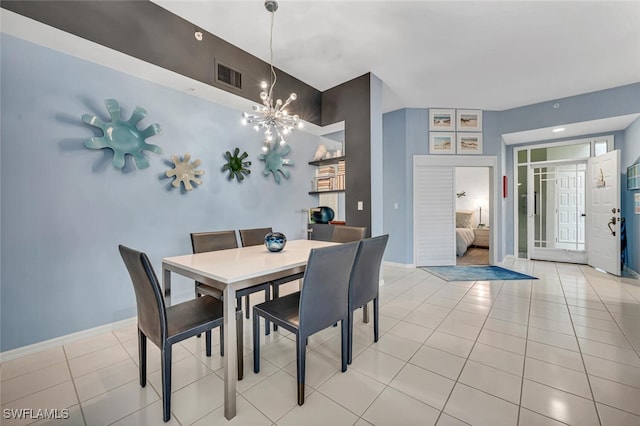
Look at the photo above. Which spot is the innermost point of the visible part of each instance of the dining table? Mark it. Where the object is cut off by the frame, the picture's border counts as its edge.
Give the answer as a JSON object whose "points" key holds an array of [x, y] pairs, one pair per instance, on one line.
{"points": [[232, 270]]}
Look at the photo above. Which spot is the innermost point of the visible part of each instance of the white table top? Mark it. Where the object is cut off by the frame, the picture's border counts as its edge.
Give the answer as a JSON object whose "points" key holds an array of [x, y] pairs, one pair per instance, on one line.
{"points": [[241, 264]]}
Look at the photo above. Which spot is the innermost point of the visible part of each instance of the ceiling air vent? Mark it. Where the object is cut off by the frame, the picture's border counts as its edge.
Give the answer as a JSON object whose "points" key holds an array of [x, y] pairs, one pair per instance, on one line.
{"points": [[228, 76]]}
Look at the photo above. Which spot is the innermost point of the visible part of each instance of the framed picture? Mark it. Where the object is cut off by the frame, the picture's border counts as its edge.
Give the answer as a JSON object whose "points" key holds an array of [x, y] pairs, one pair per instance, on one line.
{"points": [[442, 120], [636, 203], [442, 143], [469, 143], [633, 177], [469, 120]]}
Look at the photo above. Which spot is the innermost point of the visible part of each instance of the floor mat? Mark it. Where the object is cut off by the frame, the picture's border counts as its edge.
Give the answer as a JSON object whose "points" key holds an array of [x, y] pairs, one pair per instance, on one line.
{"points": [[476, 273]]}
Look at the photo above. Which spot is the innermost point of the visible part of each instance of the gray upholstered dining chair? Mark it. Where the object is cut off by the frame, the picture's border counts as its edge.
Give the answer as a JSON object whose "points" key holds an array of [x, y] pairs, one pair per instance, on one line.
{"points": [[254, 237], [165, 326], [221, 240], [322, 302], [364, 282], [346, 234]]}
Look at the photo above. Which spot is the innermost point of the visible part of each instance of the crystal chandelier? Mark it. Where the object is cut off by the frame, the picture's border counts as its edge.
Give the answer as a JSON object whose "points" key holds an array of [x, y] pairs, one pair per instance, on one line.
{"points": [[272, 117]]}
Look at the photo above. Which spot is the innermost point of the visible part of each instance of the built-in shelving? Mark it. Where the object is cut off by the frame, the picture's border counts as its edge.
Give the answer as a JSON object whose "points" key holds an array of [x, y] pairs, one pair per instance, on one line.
{"points": [[329, 176], [327, 161]]}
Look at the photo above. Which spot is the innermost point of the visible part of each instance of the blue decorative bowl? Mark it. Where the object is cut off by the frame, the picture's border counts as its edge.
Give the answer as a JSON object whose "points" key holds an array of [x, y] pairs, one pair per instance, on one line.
{"points": [[275, 241], [322, 214]]}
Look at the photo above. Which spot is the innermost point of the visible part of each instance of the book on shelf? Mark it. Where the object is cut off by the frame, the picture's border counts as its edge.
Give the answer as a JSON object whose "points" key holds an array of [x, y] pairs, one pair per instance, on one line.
{"points": [[330, 177]]}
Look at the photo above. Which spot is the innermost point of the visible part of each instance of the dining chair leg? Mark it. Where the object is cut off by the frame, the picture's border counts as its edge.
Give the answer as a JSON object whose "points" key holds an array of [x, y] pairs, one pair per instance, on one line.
{"points": [[197, 295], [345, 344], [246, 305], [142, 357], [166, 383], [267, 324], [207, 338], [222, 340], [301, 352], [350, 337], [275, 293], [240, 344], [375, 319], [256, 342]]}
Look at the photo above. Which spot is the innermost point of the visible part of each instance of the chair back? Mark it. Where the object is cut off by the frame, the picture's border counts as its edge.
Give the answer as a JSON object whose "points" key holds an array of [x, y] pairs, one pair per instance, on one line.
{"points": [[365, 274], [152, 316], [202, 242], [325, 287], [347, 234], [253, 237]]}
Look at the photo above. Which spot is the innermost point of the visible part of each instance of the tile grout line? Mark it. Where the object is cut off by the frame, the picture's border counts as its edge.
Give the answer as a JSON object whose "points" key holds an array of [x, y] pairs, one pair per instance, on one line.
{"points": [[73, 382], [457, 380], [526, 343], [586, 372]]}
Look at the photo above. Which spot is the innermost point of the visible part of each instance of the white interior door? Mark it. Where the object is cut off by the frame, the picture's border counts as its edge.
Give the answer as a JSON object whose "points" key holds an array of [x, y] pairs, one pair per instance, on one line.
{"points": [[434, 217], [603, 212]]}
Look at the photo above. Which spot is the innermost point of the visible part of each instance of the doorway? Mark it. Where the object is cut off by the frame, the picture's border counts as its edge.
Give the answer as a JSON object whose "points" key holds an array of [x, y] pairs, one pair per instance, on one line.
{"points": [[552, 200], [472, 201], [434, 207], [556, 211]]}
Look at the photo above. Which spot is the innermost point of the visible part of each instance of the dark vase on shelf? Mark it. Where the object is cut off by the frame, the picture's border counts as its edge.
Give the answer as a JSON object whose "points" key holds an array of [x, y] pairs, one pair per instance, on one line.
{"points": [[322, 214], [275, 241]]}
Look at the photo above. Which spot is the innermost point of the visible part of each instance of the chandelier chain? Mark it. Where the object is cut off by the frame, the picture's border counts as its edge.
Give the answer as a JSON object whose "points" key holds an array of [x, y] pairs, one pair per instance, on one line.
{"points": [[274, 77], [272, 117]]}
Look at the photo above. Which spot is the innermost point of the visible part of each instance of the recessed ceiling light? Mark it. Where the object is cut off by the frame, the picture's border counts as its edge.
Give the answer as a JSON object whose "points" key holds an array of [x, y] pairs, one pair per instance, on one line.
{"points": [[559, 129], [198, 35]]}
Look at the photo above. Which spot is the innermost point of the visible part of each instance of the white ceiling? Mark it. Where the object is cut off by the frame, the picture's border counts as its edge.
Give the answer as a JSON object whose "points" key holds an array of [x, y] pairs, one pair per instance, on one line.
{"points": [[425, 52], [491, 55]]}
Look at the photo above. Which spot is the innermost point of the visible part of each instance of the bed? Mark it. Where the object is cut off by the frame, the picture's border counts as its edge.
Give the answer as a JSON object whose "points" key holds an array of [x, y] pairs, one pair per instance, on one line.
{"points": [[464, 232]]}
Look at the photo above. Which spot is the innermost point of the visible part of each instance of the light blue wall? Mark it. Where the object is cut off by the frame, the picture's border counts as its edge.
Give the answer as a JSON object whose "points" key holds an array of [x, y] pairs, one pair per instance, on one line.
{"points": [[631, 149], [398, 166], [394, 184], [65, 208]]}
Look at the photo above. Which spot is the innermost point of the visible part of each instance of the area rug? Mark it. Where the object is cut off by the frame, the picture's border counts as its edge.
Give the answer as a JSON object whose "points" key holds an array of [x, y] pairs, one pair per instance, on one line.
{"points": [[476, 273]]}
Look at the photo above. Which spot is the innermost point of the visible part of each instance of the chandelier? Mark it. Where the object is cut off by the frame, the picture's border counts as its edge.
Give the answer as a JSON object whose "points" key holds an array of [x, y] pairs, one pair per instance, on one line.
{"points": [[272, 118]]}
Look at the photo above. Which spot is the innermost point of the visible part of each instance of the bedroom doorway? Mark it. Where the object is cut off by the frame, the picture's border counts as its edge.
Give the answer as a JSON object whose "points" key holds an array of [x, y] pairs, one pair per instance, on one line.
{"points": [[473, 215], [434, 208]]}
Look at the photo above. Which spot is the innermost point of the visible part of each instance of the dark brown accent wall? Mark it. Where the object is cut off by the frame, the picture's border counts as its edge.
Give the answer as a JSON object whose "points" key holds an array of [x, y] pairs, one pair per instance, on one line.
{"points": [[146, 31], [351, 102]]}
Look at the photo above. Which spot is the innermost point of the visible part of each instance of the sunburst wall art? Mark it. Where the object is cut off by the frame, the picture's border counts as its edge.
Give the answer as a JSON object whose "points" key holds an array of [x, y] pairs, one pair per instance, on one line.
{"points": [[123, 137], [274, 161], [185, 173], [236, 165]]}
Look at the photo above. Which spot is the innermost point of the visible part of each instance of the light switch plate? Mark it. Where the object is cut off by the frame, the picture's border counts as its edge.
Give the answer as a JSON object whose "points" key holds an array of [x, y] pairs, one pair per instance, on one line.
{"points": [[360, 205]]}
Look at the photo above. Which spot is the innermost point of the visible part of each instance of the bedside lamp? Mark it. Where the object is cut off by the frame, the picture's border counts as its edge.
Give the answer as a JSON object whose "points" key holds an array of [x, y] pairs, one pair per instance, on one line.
{"points": [[481, 203]]}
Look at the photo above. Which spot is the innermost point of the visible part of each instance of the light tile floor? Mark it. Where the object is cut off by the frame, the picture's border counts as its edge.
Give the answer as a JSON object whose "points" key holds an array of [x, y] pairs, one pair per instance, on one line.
{"points": [[559, 350]]}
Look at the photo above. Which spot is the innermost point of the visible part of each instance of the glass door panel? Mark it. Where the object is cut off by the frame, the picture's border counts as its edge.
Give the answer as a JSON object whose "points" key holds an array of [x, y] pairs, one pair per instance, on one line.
{"points": [[558, 211]]}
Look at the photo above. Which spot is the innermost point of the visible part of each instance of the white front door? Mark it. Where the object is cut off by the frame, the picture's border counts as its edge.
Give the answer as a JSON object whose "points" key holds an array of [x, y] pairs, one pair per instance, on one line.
{"points": [[570, 207], [603, 214], [555, 207]]}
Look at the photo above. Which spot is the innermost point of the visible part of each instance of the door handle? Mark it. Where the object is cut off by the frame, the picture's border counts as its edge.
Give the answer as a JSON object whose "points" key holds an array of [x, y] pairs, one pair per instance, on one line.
{"points": [[612, 222]]}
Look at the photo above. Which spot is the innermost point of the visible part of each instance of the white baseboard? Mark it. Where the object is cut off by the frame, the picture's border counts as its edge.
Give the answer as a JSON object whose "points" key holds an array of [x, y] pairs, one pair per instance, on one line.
{"points": [[399, 265], [63, 340], [631, 272]]}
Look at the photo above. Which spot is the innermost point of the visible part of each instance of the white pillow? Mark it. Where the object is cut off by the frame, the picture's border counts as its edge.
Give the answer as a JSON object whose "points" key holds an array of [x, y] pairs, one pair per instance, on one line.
{"points": [[464, 219]]}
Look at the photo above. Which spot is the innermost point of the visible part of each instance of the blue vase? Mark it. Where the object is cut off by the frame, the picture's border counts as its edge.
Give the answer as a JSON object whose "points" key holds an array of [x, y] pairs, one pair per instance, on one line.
{"points": [[322, 214], [275, 241]]}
